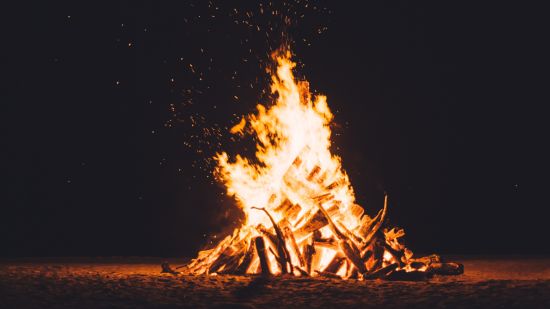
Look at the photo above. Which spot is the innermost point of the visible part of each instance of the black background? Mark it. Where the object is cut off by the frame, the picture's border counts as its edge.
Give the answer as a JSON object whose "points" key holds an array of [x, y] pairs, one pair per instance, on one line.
{"points": [[106, 153]]}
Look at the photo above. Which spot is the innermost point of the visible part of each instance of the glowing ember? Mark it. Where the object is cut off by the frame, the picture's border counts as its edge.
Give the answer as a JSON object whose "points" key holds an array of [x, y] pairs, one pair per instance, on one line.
{"points": [[301, 216]]}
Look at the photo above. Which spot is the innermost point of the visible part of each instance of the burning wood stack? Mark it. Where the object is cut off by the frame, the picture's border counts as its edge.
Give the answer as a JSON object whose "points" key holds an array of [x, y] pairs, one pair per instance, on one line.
{"points": [[300, 207], [299, 243]]}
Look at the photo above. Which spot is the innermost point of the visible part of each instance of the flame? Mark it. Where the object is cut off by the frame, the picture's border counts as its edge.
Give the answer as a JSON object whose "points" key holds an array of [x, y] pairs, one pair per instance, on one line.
{"points": [[296, 126], [294, 130], [295, 195]]}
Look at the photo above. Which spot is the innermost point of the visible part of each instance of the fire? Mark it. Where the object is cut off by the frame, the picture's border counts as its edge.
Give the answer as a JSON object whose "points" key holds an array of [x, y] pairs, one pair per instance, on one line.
{"points": [[296, 127], [301, 216]]}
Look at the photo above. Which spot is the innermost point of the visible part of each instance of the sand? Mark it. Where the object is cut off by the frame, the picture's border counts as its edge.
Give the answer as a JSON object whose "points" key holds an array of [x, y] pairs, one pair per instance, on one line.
{"points": [[488, 282]]}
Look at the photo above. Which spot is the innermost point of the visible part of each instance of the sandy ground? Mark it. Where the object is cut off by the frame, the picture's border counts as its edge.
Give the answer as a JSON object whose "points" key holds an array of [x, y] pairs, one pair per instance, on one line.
{"points": [[488, 282]]}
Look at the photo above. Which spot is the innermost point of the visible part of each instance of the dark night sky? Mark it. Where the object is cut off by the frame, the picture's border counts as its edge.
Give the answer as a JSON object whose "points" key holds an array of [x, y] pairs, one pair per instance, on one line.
{"points": [[111, 110]]}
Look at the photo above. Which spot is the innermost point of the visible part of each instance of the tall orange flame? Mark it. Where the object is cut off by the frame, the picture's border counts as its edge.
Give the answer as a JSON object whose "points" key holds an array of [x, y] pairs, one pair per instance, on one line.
{"points": [[295, 126], [297, 198]]}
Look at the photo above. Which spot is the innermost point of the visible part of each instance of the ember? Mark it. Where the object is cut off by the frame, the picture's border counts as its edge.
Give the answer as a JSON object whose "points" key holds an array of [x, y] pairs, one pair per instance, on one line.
{"points": [[301, 216]]}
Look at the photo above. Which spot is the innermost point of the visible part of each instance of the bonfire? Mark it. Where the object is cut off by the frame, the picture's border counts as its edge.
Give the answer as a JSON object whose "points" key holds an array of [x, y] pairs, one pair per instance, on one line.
{"points": [[301, 218]]}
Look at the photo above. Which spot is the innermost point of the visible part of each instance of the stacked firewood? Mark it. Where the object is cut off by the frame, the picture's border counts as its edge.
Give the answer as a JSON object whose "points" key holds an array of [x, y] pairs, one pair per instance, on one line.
{"points": [[367, 253], [299, 237]]}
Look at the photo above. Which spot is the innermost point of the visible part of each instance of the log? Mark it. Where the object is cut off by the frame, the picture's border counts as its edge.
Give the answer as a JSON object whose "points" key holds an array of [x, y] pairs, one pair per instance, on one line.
{"points": [[315, 222], [289, 236], [380, 273], [335, 263], [262, 254], [230, 266], [427, 260], [349, 234], [327, 274], [396, 254], [284, 256], [417, 265], [402, 275], [354, 274], [346, 245], [284, 206], [293, 212], [373, 228], [220, 261], [165, 268], [313, 172], [446, 269], [357, 211], [301, 271], [376, 258], [350, 270], [309, 251], [271, 238], [323, 197], [329, 243], [247, 259]]}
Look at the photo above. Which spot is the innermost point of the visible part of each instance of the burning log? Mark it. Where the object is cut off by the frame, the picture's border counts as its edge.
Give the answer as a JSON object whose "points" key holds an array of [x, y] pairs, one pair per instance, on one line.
{"points": [[375, 259], [165, 268], [262, 254], [293, 212], [313, 173], [375, 224], [246, 260], [284, 206], [316, 180], [337, 262], [327, 274], [309, 251], [427, 260], [315, 222], [402, 275], [289, 236], [357, 211], [382, 272], [301, 271], [271, 238], [329, 243], [284, 256], [396, 254], [347, 246]]}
